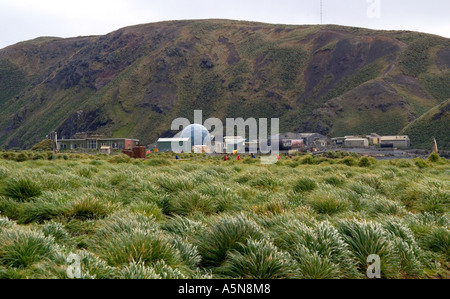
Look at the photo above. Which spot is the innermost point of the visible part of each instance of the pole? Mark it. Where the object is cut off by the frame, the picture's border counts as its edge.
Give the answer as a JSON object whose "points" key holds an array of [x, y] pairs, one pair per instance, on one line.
{"points": [[55, 143], [321, 12]]}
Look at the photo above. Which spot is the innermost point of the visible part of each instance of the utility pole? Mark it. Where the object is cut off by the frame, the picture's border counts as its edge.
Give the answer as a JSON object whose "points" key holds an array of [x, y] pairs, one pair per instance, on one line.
{"points": [[55, 143], [321, 12]]}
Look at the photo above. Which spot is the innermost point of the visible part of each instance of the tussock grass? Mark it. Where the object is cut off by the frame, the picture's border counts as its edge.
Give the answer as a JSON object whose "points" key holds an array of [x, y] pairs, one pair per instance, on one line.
{"points": [[138, 271], [88, 208], [139, 246], [188, 203], [304, 185], [24, 248], [21, 189], [3, 173], [40, 211], [320, 252], [367, 238], [173, 184], [257, 259], [328, 201], [202, 217], [223, 235], [439, 241]]}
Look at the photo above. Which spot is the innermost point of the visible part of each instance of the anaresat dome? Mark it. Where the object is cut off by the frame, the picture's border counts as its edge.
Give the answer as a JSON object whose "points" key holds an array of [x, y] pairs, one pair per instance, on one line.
{"points": [[198, 134]]}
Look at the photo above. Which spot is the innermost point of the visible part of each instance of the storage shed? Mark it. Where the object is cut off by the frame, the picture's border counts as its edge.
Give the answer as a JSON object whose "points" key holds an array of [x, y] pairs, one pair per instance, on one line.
{"points": [[395, 141], [356, 142]]}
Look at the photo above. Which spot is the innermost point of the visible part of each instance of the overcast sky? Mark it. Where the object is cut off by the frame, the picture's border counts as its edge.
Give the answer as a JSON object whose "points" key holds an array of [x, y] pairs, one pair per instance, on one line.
{"points": [[27, 19]]}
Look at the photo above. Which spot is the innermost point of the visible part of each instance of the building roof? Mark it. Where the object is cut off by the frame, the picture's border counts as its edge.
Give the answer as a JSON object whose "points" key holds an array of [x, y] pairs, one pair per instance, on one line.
{"points": [[356, 139], [112, 139], [173, 139], [95, 138], [391, 138], [231, 141]]}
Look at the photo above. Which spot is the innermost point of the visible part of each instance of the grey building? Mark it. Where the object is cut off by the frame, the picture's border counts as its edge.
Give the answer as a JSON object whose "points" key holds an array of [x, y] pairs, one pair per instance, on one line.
{"points": [[300, 140], [95, 143], [395, 141], [167, 145]]}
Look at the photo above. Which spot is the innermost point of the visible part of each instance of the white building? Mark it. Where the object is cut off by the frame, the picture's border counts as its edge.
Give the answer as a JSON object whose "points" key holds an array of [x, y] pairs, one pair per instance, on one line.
{"points": [[233, 143]]}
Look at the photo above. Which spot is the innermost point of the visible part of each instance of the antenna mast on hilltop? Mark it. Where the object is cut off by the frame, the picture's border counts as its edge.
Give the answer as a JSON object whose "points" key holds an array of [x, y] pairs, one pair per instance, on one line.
{"points": [[321, 12]]}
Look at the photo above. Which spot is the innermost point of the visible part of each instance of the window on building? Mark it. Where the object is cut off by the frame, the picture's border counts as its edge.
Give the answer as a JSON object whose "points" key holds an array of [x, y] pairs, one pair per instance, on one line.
{"points": [[92, 144]]}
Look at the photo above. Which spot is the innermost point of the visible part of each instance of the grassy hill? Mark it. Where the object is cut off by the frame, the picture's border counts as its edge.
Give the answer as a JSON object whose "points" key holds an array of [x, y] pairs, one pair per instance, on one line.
{"points": [[434, 123], [135, 81]]}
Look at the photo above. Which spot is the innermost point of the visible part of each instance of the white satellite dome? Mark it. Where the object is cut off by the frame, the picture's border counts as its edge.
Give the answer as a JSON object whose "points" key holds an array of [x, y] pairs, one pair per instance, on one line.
{"points": [[198, 134]]}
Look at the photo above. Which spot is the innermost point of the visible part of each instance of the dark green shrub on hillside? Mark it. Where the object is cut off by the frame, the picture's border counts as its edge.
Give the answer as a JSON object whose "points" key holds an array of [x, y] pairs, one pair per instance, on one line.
{"points": [[415, 59], [310, 160], [121, 158], [38, 157], [22, 157], [9, 156], [338, 155], [404, 164], [349, 161], [44, 145], [420, 163], [437, 85], [366, 162], [434, 158], [335, 180]]}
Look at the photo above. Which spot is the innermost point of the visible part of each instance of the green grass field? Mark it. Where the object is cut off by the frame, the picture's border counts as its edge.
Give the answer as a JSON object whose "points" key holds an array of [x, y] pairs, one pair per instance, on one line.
{"points": [[201, 217]]}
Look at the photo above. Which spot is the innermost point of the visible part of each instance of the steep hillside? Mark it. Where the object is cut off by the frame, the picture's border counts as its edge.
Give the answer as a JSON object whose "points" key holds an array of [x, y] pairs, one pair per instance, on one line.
{"points": [[135, 81], [435, 123]]}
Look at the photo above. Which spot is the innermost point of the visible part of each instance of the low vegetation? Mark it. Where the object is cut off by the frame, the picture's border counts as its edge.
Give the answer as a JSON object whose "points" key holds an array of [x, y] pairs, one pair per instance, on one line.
{"points": [[199, 217]]}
